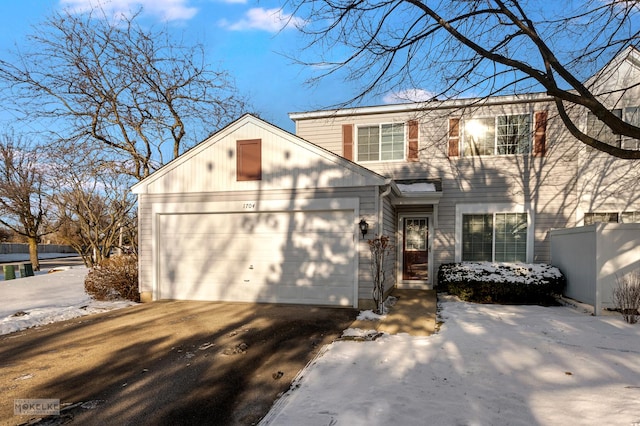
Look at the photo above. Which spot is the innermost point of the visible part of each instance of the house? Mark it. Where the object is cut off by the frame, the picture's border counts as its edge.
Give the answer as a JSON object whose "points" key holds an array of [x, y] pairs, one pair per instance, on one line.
{"points": [[255, 213]]}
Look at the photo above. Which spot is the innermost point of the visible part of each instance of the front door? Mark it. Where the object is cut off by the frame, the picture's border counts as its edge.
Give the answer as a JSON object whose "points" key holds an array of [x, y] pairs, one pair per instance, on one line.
{"points": [[415, 256]]}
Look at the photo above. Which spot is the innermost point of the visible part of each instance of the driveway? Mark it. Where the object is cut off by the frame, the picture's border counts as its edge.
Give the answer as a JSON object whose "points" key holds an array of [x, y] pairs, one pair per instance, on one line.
{"points": [[171, 362]]}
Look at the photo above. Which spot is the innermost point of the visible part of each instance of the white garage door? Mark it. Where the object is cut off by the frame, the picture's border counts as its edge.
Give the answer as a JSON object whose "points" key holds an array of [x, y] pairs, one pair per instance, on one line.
{"points": [[285, 257]]}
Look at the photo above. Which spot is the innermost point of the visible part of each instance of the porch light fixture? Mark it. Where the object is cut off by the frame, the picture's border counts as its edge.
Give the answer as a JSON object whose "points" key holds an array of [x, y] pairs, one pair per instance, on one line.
{"points": [[364, 227]]}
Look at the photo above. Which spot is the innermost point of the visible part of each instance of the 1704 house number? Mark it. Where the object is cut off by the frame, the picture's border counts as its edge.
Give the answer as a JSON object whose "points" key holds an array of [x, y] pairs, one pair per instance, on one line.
{"points": [[250, 205]]}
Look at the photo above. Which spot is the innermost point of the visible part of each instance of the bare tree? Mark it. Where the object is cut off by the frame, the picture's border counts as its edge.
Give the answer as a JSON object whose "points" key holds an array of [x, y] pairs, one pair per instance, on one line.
{"points": [[479, 46], [141, 95], [23, 204], [95, 209]]}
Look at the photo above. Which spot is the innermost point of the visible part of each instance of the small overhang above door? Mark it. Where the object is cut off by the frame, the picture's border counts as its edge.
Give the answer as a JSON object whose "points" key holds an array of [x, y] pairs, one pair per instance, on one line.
{"points": [[417, 192]]}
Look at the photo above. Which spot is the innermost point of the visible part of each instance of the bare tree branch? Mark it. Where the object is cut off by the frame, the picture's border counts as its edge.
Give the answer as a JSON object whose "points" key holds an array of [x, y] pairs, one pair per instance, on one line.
{"points": [[138, 93], [449, 47]]}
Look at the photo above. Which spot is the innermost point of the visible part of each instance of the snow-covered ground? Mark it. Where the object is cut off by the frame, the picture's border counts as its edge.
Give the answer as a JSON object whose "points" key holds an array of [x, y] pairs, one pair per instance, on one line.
{"points": [[46, 298], [488, 365]]}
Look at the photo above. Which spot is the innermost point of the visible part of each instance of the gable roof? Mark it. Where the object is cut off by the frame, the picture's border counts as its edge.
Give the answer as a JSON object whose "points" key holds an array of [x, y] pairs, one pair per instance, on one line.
{"points": [[288, 162]]}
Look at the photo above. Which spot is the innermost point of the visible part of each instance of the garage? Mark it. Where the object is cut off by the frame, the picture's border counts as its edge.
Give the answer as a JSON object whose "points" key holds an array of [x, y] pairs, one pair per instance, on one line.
{"points": [[303, 257], [256, 214]]}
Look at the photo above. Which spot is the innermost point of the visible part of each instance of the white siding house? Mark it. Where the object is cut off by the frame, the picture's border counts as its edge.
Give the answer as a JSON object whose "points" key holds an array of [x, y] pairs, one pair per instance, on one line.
{"points": [[255, 213]]}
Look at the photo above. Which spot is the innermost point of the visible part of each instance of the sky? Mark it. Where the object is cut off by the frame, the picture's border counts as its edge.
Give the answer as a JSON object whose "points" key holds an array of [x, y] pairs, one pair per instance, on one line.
{"points": [[247, 38], [243, 37]]}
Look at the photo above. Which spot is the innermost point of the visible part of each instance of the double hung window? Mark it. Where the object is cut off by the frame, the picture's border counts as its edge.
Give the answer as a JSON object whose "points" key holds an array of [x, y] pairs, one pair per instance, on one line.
{"points": [[501, 135], [384, 142]]}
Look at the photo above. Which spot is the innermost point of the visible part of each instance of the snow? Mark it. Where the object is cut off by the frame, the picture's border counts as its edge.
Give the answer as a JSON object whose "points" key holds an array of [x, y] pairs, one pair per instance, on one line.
{"points": [[46, 298], [416, 187], [527, 273], [488, 365]]}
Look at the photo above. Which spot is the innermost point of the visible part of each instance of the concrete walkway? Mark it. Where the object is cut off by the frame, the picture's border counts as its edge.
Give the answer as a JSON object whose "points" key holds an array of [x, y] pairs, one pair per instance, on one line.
{"points": [[414, 313]]}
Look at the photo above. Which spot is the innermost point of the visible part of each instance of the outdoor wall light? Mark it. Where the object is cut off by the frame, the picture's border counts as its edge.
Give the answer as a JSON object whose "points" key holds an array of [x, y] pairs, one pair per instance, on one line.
{"points": [[364, 227]]}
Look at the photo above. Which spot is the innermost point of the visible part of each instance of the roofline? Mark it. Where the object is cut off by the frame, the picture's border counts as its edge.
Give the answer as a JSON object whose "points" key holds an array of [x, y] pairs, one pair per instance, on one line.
{"points": [[423, 106], [248, 116]]}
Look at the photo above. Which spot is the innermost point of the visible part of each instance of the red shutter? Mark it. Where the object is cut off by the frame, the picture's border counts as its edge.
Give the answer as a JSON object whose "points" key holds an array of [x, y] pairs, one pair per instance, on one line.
{"points": [[249, 159], [347, 141], [454, 137], [412, 155], [540, 134]]}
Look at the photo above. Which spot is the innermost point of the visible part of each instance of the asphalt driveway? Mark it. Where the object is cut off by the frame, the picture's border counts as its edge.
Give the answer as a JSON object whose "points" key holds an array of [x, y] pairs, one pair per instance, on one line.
{"points": [[173, 363]]}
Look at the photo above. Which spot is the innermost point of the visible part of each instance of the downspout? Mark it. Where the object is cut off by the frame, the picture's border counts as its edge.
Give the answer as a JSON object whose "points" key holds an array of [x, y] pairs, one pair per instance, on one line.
{"points": [[384, 194]]}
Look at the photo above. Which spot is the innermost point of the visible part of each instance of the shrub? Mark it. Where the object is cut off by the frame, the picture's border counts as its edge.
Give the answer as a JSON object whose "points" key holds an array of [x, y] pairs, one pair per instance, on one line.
{"points": [[115, 278], [486, 282], [626, 296]]}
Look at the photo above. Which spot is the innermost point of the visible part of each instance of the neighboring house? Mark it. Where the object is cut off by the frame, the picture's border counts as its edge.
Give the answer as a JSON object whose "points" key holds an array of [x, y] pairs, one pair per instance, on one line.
{"points": [[257, 214]]}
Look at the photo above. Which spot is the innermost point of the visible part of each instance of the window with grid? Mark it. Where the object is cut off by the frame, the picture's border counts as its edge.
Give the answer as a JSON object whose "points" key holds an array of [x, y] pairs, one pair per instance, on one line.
{"points": [[384, 142], [494, 237], [479, 136], [514, 134], [502, 135]]}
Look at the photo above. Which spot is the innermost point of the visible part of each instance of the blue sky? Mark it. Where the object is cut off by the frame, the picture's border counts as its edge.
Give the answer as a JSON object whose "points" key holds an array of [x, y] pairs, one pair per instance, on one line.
{"points": [[240, 36]]}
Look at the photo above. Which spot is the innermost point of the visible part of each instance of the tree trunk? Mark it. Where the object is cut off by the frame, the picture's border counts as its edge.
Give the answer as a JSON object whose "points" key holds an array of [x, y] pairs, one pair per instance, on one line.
{"points": [[33, 253]]}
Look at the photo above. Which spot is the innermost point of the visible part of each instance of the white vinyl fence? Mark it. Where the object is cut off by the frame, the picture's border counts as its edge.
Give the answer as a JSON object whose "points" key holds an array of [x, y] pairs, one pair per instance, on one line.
{"points": [[593, 256]]}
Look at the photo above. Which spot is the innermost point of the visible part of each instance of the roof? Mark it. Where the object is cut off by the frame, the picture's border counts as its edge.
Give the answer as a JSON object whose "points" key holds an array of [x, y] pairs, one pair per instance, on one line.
{"points": [[248, 127]]}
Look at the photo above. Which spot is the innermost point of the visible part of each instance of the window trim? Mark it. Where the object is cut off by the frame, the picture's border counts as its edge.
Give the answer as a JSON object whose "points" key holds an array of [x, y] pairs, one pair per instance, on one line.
{"points": [[462, 135], [463, 209], [405, 136]]}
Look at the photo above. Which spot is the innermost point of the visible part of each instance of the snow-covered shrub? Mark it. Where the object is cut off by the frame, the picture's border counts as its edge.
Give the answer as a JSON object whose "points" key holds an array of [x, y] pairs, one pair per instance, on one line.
{"points": [[115, 278], [486, 282], [626, 296]]}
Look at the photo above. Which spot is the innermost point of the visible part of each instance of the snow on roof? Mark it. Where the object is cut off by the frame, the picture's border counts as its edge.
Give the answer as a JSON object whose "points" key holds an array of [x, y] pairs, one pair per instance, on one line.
{"points": [[416, 187]]}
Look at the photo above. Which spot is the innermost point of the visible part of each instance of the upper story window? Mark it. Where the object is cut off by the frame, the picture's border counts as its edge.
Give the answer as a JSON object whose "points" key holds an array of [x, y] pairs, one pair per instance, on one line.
{"points": [[597, 129], [501, 135], [383, 142]]}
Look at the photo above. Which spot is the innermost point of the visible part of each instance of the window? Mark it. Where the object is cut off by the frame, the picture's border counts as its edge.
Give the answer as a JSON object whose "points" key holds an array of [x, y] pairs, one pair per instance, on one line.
{"points": [[513, 134], [381, 143], [611, 217], [415, 235], [597, 129], [502, 135], [591, 218], [249, 160], [630, 217], [631, 116], [494, 237]]}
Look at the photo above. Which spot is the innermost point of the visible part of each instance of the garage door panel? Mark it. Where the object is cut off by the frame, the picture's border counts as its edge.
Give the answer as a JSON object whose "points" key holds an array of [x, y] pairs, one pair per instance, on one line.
{"points": [[259, 223], [299, 257]]}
